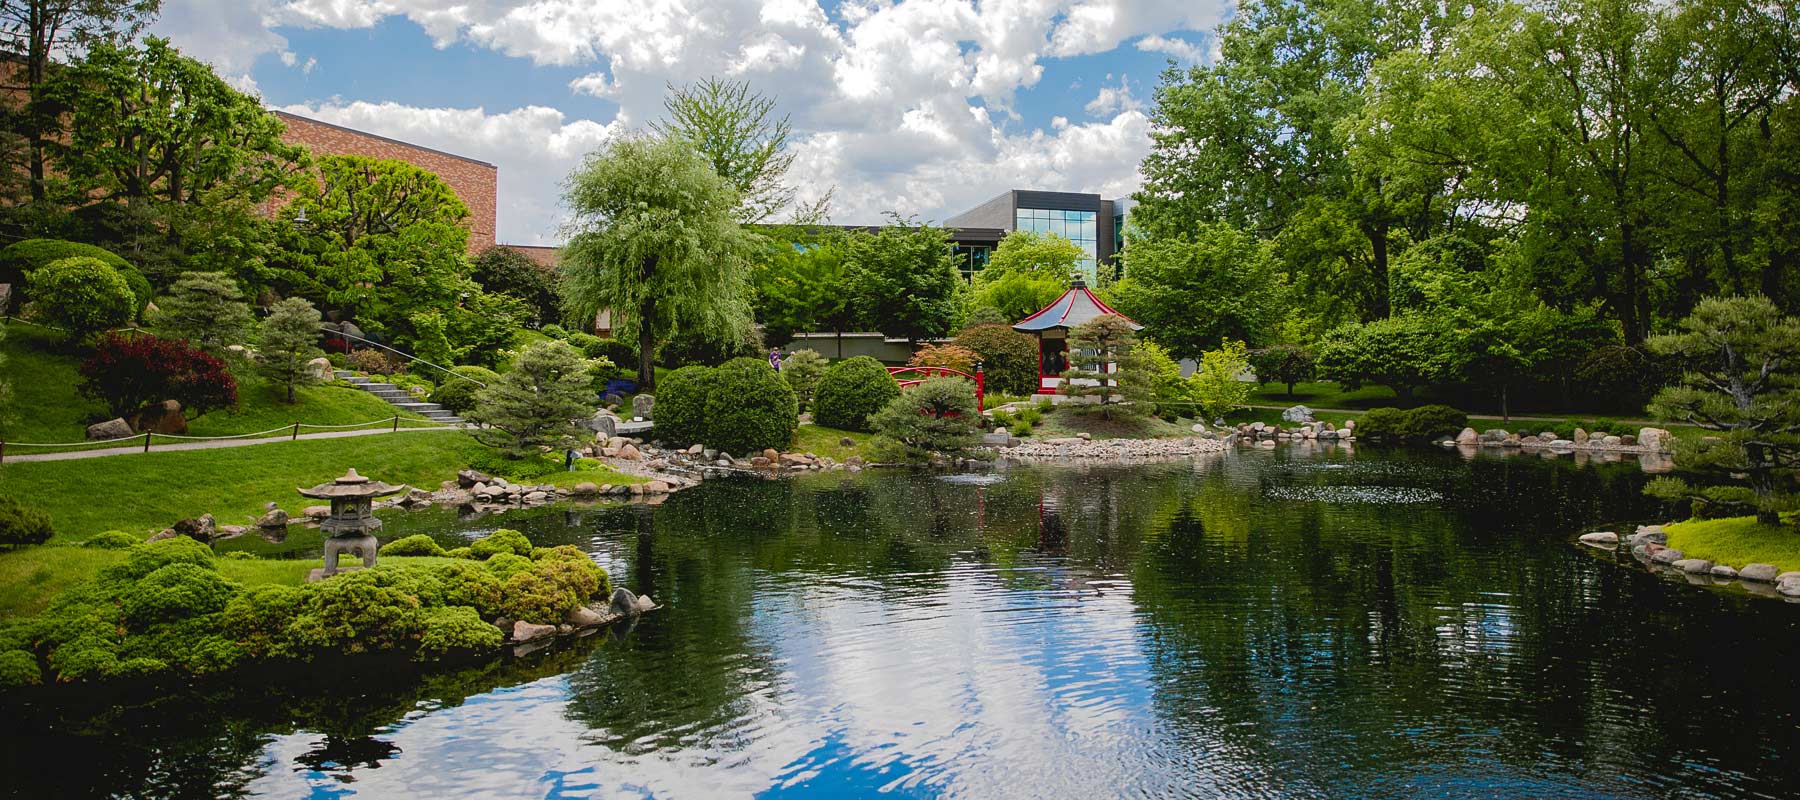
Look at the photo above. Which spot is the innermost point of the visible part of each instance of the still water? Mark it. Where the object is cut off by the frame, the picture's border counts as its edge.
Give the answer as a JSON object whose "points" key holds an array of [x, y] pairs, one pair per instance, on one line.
{"points": [[1281, 624]]}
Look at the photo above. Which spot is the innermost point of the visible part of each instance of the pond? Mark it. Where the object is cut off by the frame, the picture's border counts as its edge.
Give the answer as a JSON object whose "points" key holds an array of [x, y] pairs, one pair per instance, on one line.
{"points": [[1271, 624]]}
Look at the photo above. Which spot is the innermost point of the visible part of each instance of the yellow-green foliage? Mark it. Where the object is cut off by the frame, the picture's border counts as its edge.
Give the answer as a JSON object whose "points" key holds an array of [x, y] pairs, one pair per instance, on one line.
{"points": [[505, 540], [19, 668], [415, 545], [504, 565], [450, 629], [1737, 541], [1215, 385]]}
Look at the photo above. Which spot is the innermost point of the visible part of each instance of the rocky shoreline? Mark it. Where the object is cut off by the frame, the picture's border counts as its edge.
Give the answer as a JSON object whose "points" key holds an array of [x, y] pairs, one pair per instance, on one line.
{"points": [[1649, 547]]}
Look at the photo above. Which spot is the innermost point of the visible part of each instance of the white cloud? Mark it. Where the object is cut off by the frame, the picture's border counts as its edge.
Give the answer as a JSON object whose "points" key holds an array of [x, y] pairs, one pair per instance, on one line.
{"points": [[307, 68], [288, 58], [908, 105], [1181, 49]]}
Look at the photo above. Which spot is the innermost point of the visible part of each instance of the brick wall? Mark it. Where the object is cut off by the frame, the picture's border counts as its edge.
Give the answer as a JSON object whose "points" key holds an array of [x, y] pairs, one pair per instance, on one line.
{"points": [[475, 182]]}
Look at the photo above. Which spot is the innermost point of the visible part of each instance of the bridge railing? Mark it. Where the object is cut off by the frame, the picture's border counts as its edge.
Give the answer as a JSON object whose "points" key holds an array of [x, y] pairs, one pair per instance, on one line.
{"points": [[923, 374]]}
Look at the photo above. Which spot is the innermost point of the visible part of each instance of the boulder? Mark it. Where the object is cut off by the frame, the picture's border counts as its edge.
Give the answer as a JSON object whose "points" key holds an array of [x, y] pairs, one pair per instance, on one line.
{"points": [[1649, 534], [1297, 414], [1693, 565], [1468, 436], [116, 428], [316, 512], [273, 518], [468, 478], [623, 603], [202, 529], [604, 424], [656, 487], [523, 631], [696, 450], [1084, 436], [1765, 573], [630, 453], [845, 441], [164, 417], [586, 488], [999, 438], [320, 369], [536, 497], [1600, 538], [1628, 440], [1789, 587], [1722, 571], [1668, 555], [1654, 438], [584, 617], [1580, 437], [759, 461], [1611, 441], [643, 405]]}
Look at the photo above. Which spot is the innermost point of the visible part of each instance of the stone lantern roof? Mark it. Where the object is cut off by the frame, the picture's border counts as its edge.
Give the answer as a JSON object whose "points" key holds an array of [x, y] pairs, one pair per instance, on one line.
{"points": [[350, 487]]}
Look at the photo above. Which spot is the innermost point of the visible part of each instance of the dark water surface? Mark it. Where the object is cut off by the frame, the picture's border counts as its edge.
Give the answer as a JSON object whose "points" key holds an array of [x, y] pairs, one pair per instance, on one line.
{"points": [[1263, 625]]}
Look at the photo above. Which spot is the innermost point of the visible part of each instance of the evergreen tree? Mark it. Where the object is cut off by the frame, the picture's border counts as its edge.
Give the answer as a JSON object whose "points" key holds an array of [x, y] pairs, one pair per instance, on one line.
{"points": [[539, 404], [1102, 365], [290, 338], [206, 309]]}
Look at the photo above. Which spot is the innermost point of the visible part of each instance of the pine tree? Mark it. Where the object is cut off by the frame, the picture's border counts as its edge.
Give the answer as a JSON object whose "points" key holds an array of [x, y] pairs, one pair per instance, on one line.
{"points": [[1102, 365], [206, 309], [537, 405], [290, 338]]}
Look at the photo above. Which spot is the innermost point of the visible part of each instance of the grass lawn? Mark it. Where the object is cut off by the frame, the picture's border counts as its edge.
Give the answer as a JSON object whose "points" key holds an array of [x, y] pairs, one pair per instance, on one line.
{"points": [[1322, 395], [46, 406], [822, 441], [590, 470], [1736, 541], [146, 493]]}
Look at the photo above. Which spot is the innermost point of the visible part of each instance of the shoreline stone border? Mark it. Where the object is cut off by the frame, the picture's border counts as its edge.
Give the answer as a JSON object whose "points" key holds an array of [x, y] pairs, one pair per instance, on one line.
{"points": [[1648, 547]]}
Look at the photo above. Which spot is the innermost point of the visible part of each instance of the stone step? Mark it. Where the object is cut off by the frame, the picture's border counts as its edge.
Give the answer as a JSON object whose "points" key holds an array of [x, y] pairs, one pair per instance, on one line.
{"points": [[377, 387], [419, 408], [393, 395]]}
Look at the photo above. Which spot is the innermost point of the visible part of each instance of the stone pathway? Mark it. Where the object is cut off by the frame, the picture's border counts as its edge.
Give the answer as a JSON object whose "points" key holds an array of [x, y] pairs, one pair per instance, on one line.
{"points": [[209, 444]]}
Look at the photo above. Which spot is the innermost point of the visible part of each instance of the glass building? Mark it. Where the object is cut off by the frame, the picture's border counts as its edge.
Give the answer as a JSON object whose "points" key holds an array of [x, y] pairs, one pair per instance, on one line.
{"points": [[1093, 223]]}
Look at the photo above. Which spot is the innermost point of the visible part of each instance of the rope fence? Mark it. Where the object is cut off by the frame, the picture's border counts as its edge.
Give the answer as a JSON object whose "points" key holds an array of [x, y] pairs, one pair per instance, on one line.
{"points": [[146, 438]]}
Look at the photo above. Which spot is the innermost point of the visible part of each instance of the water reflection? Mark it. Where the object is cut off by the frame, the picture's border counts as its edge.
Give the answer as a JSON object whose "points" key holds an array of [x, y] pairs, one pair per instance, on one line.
{"points": [[1296, 623]]}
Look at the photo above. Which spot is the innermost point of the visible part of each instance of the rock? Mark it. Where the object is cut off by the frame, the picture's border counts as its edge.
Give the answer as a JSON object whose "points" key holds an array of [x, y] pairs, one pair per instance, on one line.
{"points": [[1611, 441], [1628, 440], [772, 455], [1084, 436], [1600, 538], [320, 369], [1722, 571], [1693, 565], [623, 603], [604, 424], [1668, 555], [1789, 587], [164, 417], [1765, 573], [536, 497], [1266, 444], [523, 631], [469, 478], [584, 617], [116, 428], [642, 405], [1581, 436], [695, 450], [273, 518], [316, 512], [759, 461], [630, 453], [845, 441], [1297, 414], [999, 438], [1468, 436], [1654, 438], [1198, 427], [586, 488], [656, 487], [202, 529], [1786, 575]]}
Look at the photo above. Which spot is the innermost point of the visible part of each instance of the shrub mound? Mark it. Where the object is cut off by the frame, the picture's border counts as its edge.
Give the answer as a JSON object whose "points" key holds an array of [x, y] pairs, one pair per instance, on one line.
{"points": [[84, 295], [681, 404], [22, 257], [1010, 358], [21, 524], [459, 396], [1424, 422], [112, 540], [934, 417], [166, 608], [851, 391], [750, 408], [417, 544]]}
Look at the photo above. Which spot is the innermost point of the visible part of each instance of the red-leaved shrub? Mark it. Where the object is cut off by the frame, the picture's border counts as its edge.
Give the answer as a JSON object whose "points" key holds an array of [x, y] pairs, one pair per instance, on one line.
{"points": [[130, 373]]}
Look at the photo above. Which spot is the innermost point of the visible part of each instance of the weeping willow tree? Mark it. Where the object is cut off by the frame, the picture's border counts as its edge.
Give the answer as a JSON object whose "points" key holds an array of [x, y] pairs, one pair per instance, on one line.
{"points": [[653, 238]]}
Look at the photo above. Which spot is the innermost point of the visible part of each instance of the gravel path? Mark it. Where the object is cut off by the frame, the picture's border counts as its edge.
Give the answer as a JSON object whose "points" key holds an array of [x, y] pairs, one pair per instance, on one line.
{"points": [[209, 444]]}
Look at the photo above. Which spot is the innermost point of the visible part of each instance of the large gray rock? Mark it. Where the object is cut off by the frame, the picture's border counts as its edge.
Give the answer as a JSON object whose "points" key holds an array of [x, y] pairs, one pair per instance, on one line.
{"points": [[1494, 435], [115, 428], [1668, 555], [604, 424], [1600, 538], [1694, 565], [523, 631], [1297, 414], [586, 488], [1722, 571], [273, 518], [202, 529], [643, 405], [320, 369], [1654, 438], [584, 617], [1789, 587], [623, 603], [1764, 573], [468, 478], [1648, 534]]}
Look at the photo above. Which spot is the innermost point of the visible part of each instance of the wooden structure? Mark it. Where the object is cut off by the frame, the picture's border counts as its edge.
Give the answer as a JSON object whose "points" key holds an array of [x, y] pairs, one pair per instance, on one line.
{"points": [[1052, 324]]}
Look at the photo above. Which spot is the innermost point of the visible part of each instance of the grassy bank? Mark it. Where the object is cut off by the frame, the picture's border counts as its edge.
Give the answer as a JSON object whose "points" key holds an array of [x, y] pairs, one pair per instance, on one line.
{"points": [[827, 442], [1736, 541], [145, 493]]}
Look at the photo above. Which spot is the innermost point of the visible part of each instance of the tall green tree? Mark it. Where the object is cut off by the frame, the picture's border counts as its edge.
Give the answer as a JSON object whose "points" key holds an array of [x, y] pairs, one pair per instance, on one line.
{"points": [[290, 339], [503, 270], [738, 132], [206, 309], [1190, 292], [799, 283], [902, 280], [42, 30], [538, 404], [654, 239], [1028, 271], [1742, 380]]}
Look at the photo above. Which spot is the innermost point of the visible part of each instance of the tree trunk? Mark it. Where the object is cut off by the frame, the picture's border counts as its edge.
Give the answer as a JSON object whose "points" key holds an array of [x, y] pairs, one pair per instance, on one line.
{"points": [[646, 347]]}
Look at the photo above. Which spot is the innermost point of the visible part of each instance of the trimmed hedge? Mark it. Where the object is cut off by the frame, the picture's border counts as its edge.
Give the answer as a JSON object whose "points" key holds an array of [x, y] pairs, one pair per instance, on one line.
{"points": [[750, 408], [851, 391], [459, 396], [1424, 422], [21, 524], [82, 294], [1009, 358], [681, 405], [22, 257]]}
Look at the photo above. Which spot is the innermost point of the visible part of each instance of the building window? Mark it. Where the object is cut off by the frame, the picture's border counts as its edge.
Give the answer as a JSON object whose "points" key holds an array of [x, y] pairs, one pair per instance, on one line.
{"points": [[971, 258], [1080, 227]]}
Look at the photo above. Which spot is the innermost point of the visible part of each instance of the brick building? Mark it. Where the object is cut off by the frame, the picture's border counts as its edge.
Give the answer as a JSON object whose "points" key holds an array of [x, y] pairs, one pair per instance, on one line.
{"points": [[475, 182]]}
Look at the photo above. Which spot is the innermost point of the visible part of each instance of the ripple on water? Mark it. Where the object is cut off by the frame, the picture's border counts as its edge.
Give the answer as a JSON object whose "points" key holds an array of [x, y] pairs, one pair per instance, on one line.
{"points": [[1368, 495]]}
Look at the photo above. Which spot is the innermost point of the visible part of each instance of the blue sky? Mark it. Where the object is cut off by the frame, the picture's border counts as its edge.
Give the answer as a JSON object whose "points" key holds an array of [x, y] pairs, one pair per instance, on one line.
{"points": [[918, 106]]}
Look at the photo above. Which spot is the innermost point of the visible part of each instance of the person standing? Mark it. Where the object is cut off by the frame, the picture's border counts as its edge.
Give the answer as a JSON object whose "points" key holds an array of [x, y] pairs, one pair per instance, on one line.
{"points": [[775, 358]]}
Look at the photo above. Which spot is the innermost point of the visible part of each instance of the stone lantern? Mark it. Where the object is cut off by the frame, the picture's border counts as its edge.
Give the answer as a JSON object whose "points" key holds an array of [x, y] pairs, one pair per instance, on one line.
{"points": [[352, 523]]}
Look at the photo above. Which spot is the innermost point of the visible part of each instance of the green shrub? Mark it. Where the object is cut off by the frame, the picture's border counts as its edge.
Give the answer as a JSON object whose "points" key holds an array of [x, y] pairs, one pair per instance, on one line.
{"points": [[1031, 415], [1002, 418], [460, 552], [555, 331], [454, 629], [1021, 430], [750, 408], [112, 540], [19, 668], [1380, 423], [1426, 422], [681, 405], [22, 525], [84, 659], [141, 290], [143, 559], [621, 354], [472, 585], [534, 598], [578, 574], [20, 258], [258, 618], [240, 555], [505, 540], [358, 612], [175, 592], [1009, 358], [851, 391], [934, 417], [504, 565], [802, 370], [417, 544], [83, 295]]}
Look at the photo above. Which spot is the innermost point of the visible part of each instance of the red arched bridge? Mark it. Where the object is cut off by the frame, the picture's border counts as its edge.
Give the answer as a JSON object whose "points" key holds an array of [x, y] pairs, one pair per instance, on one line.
{"points": [[913, 376]]}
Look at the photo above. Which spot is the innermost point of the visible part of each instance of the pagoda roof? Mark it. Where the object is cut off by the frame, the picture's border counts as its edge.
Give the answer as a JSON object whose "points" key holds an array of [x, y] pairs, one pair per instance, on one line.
{"points": [[1077, 305]]}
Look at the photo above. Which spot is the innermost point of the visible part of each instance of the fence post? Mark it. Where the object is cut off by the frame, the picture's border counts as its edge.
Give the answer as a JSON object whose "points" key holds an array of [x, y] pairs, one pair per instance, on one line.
{"points": [[396, 424], [296, 436], [980, 388], [146, 441]]}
